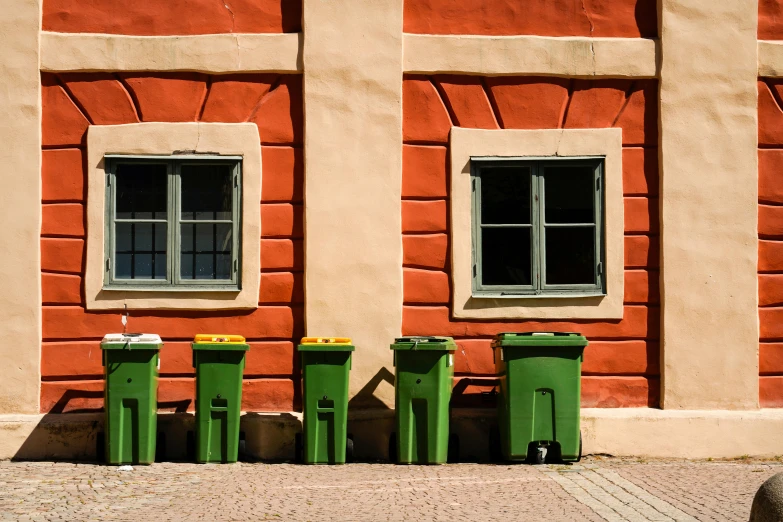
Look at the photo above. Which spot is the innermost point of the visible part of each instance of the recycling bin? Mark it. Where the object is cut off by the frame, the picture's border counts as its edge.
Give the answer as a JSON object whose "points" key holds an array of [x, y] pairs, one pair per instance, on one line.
{"points": [[219, 361], [326, 364], [540, 393], [131, 363], [422, 393]]}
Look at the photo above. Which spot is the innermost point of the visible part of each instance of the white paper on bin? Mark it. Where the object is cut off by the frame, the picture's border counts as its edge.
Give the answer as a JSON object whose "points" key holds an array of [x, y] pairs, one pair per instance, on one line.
{"points": [[135, 338]]}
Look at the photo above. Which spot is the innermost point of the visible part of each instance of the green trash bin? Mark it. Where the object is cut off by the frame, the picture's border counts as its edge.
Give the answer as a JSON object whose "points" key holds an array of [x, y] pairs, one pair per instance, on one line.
{"points": [[326, 364], [422, 394], [540, 393], [219, 361], [131, 363]]}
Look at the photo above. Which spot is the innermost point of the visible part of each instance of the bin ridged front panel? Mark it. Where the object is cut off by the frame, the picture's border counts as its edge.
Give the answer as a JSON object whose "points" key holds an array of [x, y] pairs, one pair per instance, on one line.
{"points": [[539, 399], [422, 395], [218, 404], [131, 405], [325, 396]]}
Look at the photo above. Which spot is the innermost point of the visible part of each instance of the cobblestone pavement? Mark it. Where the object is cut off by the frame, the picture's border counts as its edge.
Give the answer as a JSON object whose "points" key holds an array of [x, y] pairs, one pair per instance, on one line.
{"points": [[596, 489]]}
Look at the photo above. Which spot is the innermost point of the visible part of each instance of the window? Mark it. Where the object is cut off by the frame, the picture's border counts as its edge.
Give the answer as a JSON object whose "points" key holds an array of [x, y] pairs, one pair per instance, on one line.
{"points": [[173, 223], [537, 227]]}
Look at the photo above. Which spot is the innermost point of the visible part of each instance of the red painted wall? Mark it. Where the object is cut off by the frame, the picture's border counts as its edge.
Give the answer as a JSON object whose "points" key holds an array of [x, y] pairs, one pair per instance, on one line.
{"points": [[621, 367], [770, 20], [172, 17], [71, 358], [618, 18], [771, 243]]}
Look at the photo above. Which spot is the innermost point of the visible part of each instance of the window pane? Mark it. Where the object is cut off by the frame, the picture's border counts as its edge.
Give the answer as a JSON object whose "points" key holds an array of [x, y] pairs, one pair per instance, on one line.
{"points": [[569, 194], [140, 250], [505, 196], [207, 191], [206, 251], [570, 256], [141, 191], [505, 256]]}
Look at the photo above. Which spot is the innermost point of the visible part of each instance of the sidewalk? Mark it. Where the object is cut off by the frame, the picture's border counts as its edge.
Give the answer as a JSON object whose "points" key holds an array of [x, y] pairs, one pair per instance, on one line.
{"points": [[596, 489]]}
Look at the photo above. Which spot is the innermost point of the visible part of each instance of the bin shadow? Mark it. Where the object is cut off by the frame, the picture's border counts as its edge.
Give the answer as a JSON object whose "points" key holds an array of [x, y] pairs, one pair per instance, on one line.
{"points": [[365, 398]]}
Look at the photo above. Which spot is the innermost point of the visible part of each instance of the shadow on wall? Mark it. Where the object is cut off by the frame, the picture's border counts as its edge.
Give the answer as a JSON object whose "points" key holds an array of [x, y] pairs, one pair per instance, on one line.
{"points": [[365, 398]]}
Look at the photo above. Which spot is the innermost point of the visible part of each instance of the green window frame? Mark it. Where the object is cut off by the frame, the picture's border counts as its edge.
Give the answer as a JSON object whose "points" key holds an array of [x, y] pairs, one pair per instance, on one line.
{"points": [[533, 171], [173, 221]]}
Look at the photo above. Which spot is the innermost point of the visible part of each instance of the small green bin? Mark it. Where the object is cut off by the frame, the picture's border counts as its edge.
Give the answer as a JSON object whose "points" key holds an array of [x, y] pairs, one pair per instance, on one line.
{"points": [[422, 394], [540, 393], [131, 363], [219, 361], [326, 365]]}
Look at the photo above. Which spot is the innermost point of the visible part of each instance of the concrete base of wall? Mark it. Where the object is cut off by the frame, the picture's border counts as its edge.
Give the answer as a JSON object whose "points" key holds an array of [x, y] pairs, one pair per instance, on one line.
{"points": [[270, 436]]}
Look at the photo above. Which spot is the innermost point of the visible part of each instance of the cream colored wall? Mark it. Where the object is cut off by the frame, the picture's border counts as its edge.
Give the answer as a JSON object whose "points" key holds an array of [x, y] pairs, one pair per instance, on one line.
{"points": [[353, 169], [467, 143], [227, 139], [709, 203], [20, 208]]}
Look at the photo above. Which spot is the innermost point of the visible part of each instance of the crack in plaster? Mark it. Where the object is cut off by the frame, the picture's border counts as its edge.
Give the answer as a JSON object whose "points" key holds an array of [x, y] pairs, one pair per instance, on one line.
{"points": [[592, 29]]}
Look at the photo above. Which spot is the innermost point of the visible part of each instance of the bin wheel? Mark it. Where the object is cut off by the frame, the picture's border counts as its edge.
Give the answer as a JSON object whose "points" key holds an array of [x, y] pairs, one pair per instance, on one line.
{"points": [[190, 446], [100, 447], [349, 449], [579, 457], [539, 456], [495, 453], [298, 448], [160, 447], [453, 450], [393, 448]]}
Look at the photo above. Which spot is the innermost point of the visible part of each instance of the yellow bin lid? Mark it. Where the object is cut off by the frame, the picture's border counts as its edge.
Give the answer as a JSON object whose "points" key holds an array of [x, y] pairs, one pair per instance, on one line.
{"points": [[326, 340], [219, 338]]}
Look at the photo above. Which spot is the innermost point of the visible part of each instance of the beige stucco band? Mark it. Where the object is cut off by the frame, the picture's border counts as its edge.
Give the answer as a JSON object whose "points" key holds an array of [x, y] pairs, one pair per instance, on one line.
{"points": [[236, 139], [770, 59], [467, 143], [531, 55], [213, 53]]}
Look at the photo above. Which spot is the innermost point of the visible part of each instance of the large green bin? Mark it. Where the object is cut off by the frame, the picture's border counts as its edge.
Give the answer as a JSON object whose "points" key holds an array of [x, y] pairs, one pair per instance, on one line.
{"points": [[219, 361], [131, 363], [326, 364], [540, 393], [422, 394]]}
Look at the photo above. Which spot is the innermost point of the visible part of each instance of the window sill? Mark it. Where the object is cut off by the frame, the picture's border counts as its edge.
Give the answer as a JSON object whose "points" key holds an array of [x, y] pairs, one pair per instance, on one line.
{"points": [[174, 289], [562, 295]]}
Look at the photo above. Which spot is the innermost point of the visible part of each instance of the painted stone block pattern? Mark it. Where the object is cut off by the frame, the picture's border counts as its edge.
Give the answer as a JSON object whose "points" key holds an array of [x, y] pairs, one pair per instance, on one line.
{"points": [[71, 369], [617, 18], [770, 224], [172, 17], [621, 367]]}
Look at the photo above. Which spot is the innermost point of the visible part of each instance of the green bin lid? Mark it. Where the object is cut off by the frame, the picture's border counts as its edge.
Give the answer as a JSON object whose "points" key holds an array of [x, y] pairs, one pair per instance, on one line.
{"points": [[424, 343], [326, 344], [539, 339], [131, 341]]}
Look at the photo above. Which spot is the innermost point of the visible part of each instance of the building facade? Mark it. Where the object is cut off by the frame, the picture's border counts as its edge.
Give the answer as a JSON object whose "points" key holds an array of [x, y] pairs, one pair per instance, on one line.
{"points": [[281, 168]]}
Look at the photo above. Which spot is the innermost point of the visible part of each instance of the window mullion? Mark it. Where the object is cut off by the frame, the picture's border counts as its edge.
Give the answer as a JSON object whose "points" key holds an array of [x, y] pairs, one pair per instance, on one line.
{"points": [[538, 229], [173, 206]]}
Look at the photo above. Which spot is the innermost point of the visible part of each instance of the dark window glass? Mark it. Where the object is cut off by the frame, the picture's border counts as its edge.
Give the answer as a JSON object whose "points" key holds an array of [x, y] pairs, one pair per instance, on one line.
{"points": [[206, 251], [505, 254], [569, 194], [207, 192], [570, 256], [505, 196], [141, 191], [140, 250]]}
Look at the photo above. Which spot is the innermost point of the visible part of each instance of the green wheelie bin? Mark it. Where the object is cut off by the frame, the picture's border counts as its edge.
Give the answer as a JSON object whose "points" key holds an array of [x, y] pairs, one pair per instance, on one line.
{"points": [[422, 394], [131, 363], [219, 361], [326, 364], [539, 399]]}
